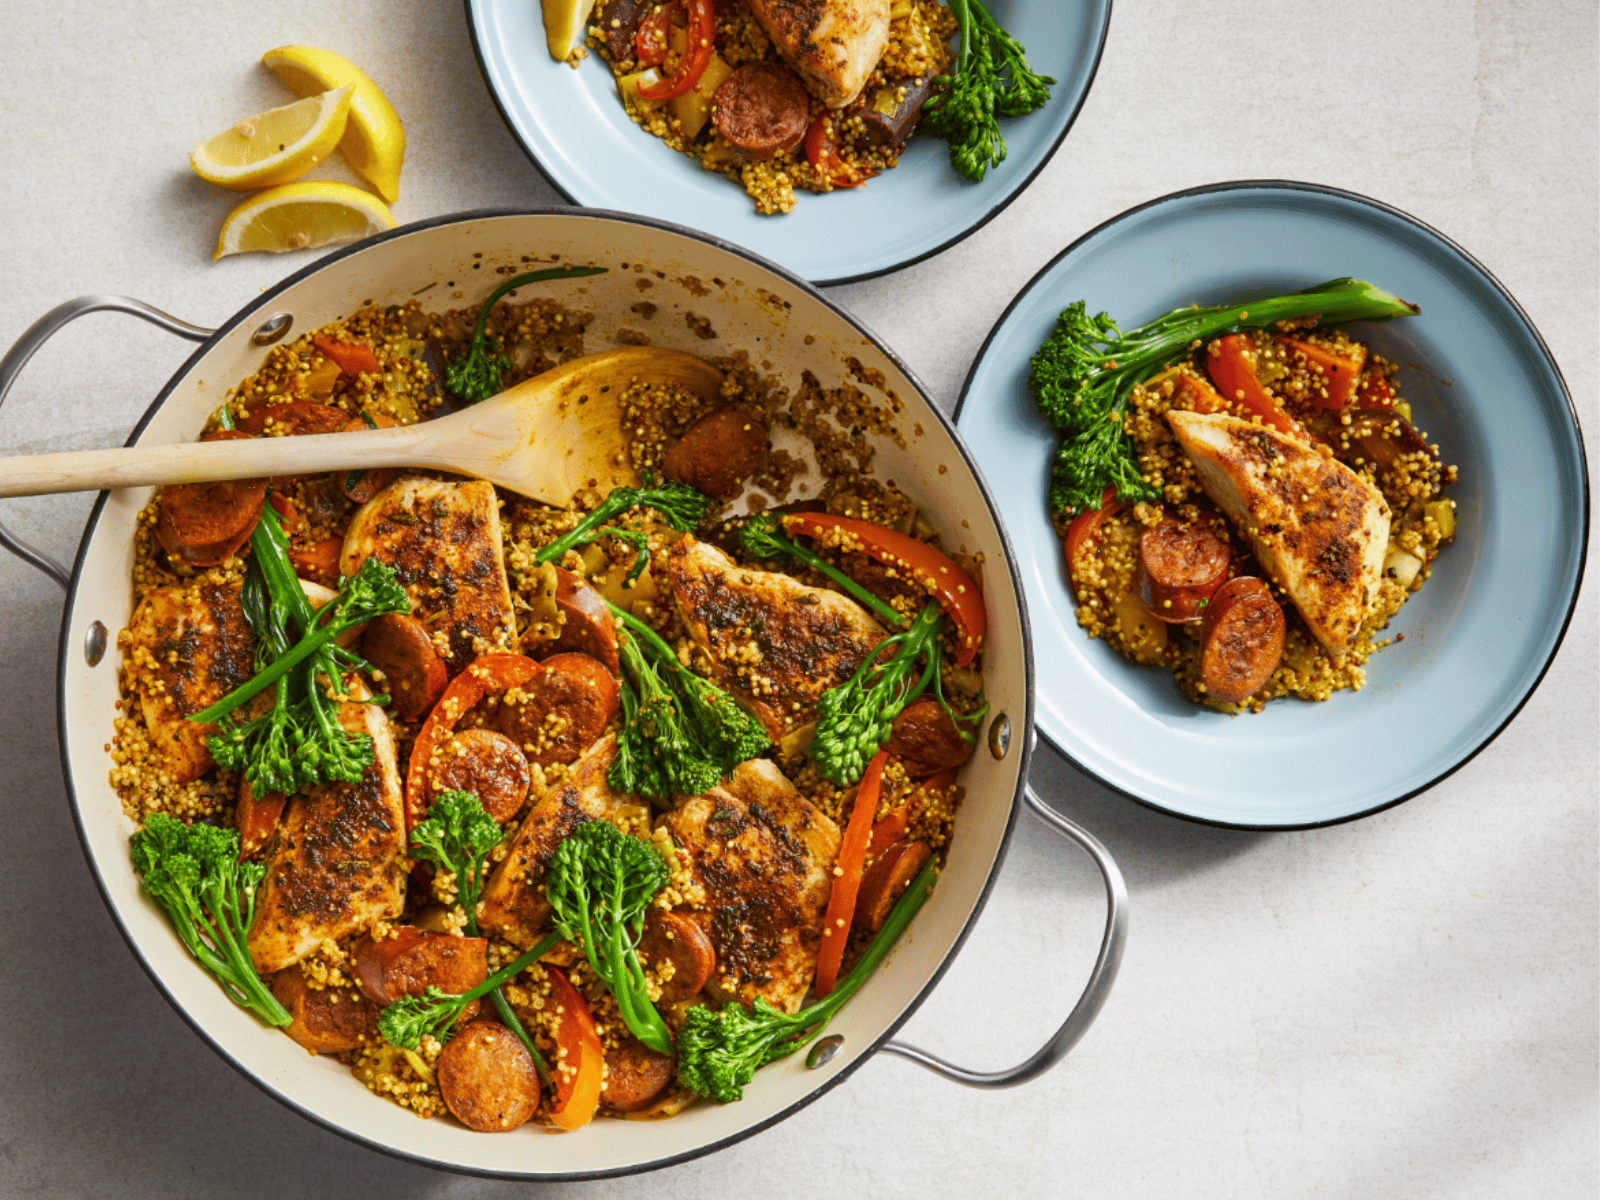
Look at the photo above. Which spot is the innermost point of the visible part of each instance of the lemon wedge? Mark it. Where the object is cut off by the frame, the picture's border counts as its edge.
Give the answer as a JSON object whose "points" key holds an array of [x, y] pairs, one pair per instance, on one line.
{"points": [[298, 215], [278, 145], [374, 141]]}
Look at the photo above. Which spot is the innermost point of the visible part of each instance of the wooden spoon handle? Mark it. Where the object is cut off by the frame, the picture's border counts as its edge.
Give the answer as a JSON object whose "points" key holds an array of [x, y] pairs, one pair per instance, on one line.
{"points": [[204, 462]]}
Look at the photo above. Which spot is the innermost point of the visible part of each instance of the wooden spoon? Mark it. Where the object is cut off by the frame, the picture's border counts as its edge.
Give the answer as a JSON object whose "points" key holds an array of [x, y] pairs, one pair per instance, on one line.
{"points": [[546, 438]]}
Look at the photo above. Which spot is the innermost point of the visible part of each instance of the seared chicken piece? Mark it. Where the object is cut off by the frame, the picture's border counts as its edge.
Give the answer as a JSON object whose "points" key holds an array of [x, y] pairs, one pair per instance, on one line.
{"points": [[513, 903], [1319, 529], [761, 860], [339, 861], [832, 44], [443, 541], [188, 647], [775, 643]]}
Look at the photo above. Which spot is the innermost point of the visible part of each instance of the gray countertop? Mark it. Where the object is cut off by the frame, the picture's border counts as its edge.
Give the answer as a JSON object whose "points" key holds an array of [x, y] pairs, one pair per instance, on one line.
{"points": [[1402, 1006]]}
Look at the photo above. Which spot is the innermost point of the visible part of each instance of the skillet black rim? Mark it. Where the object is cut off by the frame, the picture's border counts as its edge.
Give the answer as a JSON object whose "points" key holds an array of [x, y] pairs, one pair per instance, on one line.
{"points": [[1538, 338], [263, 301], [994, 211]]}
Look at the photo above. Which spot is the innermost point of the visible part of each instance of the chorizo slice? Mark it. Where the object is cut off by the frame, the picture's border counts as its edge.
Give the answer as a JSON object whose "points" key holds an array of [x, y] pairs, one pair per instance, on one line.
{"points": [[885, 880], [675, 938], [294, 418], [487, 1078], [555, 716], [412, 960], [413, 673], [362, 485], [1241, 640], [587, 626], [718, 452], [324, 1020], [1180, 566], [487, 764], [926, 740], [204, 523], [760, 109], [636, 1076], [256, 819]]}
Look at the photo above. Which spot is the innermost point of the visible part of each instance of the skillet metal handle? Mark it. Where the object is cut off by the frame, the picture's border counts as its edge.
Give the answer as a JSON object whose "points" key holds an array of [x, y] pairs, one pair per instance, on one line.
{"points": [[35, 336], [1094, 995]]}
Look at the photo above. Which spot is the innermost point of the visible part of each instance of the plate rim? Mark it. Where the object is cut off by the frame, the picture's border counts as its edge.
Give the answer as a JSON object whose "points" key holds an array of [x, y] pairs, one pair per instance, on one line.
{"points": [[988, 215], [1389, 210], [67, 644]]}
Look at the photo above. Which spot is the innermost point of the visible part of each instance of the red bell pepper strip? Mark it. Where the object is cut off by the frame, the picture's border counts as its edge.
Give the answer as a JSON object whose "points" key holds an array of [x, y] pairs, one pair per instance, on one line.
{"points": [[650, 43], [1085, 525], [702, 17], [1232, 368], [930, 568], [850, 864], [897, 820], [1338, 374], [580, 1062], [1200, 395], [823, 155], [1375, 392], [351, 359], [488, 673]]}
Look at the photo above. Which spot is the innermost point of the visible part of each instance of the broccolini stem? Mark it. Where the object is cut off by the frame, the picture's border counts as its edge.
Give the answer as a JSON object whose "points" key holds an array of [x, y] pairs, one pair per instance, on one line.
{"points": [[764, 537]]}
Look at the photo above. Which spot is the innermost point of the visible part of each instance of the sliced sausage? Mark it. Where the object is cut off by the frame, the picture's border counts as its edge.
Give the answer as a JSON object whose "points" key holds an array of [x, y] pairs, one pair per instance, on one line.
{"points": [[487, 764], [885, 880], [587, 625], [487, 1078], [413, 673], [675, 938], [413, 960], [760, 109], [890, 114], [1241, 640], [256, 820], [295, 418], [362, 485], [619, 22], [1180, 566], [561, 711], [325, 1020], [718, 452], [319, 561], [636, 1076], [926, 740], [204, 523]]}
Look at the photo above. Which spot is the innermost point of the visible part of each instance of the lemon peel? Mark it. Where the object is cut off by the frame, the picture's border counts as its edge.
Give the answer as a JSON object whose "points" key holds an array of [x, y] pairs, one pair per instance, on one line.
{"points": [[374, 141], [276, 146], [296, 216]]}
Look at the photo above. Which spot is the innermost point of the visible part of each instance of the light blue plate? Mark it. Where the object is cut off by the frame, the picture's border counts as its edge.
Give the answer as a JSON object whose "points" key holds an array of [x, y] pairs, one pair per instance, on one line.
{"points": [[574, 128], [1479, 634]]}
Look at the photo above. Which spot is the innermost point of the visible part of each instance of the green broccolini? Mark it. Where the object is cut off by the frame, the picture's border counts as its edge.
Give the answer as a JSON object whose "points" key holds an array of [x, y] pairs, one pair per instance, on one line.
{"points": [[719, 1052], [298, 742], [476, 375], [991, 79], [457, 837], [763, 537], [1082, 375], [680, 504], [194, 873], [599, 883], [433, 1014]]}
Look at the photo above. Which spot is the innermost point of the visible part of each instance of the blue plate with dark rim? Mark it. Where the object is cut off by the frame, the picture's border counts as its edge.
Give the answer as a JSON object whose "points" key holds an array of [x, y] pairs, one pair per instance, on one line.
{"points": [[1480, 633], [575, 129]]}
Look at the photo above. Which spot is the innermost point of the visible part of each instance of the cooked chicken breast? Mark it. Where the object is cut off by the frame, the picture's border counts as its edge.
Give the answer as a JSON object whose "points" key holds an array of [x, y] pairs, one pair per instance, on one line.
{"points": [[832, 44], [761, 861], [513, 903], [339, 861], [443, 540], [1319, 529], [188, 647], [776, 644]]}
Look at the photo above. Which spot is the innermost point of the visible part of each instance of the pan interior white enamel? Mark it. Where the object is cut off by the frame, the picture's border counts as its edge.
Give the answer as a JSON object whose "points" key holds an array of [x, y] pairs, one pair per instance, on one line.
{"points": [[751, 309]]}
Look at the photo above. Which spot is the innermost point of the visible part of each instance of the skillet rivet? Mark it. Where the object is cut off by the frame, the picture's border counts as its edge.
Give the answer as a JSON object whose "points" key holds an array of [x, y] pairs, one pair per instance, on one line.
{"points": [[824, 1051], [1000, 735], [94, 644], [272, 329]]}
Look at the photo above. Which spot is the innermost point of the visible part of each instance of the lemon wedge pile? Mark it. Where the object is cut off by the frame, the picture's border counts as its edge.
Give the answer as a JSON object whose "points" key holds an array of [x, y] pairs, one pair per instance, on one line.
{"points": [[340, 108]]}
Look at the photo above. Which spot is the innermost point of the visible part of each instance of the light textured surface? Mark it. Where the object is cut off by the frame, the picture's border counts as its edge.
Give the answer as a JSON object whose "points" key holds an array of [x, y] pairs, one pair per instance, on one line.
{"points": [[1404, 1006]]}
